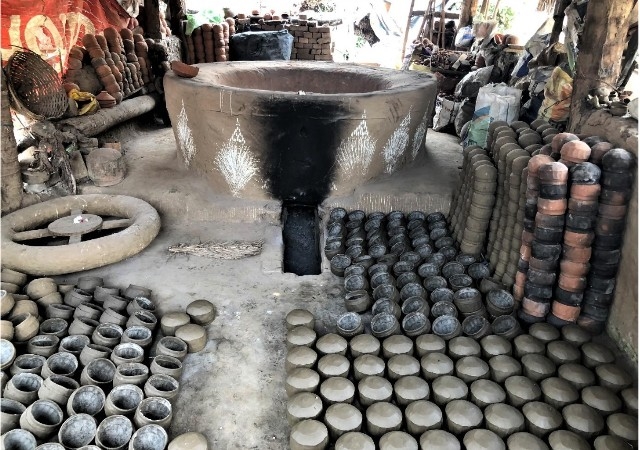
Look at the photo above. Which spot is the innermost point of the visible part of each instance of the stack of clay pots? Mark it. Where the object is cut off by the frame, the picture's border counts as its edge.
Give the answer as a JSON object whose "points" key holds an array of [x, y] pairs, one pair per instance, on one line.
{"points": [[105, 67], [76, 367], [77, 55], [132, 59], [209, 42], [198, 44], [405, 272], [142, 52], [473, 201], [164, 26], [547, 389], [617, 179], [583, 280]]}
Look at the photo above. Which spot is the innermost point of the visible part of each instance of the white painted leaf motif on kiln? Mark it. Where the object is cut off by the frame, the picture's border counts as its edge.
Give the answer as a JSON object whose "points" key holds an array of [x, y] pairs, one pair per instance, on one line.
{"points": [[185, 138], [397, 144], [356, 151], [418, 138], [235, 162]]}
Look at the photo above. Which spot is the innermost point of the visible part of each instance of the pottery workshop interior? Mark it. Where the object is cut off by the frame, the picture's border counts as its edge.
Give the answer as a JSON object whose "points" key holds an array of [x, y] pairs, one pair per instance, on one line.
{"points": [[319, 224]]}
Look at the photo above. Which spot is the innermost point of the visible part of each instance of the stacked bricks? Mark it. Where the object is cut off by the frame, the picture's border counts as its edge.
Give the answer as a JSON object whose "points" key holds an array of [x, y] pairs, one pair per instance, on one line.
{"points": [[311, 42]]}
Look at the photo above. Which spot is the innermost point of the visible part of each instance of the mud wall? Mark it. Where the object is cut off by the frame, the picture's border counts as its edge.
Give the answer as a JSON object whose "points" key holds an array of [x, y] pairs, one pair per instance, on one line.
{"points": [[623, 321]]}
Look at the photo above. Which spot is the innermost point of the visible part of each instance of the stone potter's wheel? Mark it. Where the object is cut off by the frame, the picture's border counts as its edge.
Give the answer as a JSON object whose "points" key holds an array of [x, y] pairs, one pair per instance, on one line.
{"points": [[75, 225]]}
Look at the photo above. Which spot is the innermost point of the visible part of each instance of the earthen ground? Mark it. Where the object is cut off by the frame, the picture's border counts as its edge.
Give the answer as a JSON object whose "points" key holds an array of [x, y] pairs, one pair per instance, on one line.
{"points": [[233, 391]]}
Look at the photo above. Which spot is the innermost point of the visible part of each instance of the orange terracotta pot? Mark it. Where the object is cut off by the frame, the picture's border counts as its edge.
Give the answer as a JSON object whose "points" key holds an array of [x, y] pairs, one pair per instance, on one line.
{"points": [[571, 284], [574, 269], [585, 192], [575, 151], [535, 309], [565, 312], [576, 254], [552, 207]]}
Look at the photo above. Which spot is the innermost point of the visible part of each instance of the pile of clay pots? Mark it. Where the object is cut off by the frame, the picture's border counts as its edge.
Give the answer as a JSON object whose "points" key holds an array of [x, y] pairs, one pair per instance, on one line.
{"points": [[577, 197], [404, 275], [77, 365], [210, 42], [548, 389]]}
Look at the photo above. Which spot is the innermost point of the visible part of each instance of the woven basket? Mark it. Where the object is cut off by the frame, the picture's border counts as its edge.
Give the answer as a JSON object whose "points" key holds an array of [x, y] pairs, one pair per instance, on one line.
{"points": [[35, 87]]}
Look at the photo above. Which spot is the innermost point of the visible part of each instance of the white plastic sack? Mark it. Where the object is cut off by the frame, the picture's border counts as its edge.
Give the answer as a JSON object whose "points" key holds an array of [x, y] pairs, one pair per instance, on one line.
{"points": [[446, 111], [464, 37], [495, 102], [472, 82]]}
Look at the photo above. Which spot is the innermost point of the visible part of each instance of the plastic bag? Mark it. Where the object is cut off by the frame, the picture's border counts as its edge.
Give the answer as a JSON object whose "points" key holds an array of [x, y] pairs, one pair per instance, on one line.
{"points": [[446, 111], [472, 82], [87, 103], [495, 102], [464, 37], [557, 97]]}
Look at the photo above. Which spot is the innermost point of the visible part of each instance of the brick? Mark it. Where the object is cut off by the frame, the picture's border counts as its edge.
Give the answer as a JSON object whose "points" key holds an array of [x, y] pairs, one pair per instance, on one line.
{"points": [[307, 56], [324, 41], [307, 45], [279, 27], [298, 28], [298, 33], [308, 35], [317, 46], [303, 40], [326, 35], [326, 51], [323, 57], [303, 23], [323, 29], [312, 23], [317, 35]]}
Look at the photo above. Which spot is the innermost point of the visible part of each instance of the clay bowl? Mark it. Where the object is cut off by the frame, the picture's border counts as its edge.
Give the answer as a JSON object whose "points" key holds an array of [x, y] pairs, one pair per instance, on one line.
{"points": [[446, 326], [541, 418], [184, 70], [493, 345], [577, 374], [486, 392], [558, 392], [503, 419], [521, 390], [583, 420]]}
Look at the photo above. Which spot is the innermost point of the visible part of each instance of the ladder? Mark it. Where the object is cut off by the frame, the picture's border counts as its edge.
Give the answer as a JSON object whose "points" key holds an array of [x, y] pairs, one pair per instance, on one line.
{"points": [[427, 23]]}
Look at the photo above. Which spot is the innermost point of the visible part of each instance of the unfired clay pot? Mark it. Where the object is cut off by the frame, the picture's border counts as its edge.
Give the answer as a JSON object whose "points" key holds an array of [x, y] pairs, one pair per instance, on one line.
{"points": [[131, 373], [42, 418], [332, 344], [299, 317], [462, 416], [195, 336], [435, 365], [114, 432], [630, 399], [301, 335], [383, 417], [521, 390], [399, 366], [333, 365], [447, 388], [558, 392], [364, 344], [608, 442], [537, 367], [154, 437], [368, 365], [10, 412], [398, 439], [123, 400], [308, 435], [342, 418], [86, 399], [594, 354], [304, 405], [153, 410], [601, 399], [374, 389], [583, 420], [526, 344], [486, 392], [353, 440], [502, 367], [172, 346], [482, 440], [410, 389], [503, 419], [43, 345], [300, 356], [337, 390], [301, 380], [541, 418], [462, 346], [577, 374], [612, 377], [440, 439], [422, 416], [544, 332], [623, 426], [493, 345], [397, 345], [525, 441], [173, 320], [167, 365], [77, 431], [430, 343], [575, 335], [57, 388], [471, 368], [162, 386]]}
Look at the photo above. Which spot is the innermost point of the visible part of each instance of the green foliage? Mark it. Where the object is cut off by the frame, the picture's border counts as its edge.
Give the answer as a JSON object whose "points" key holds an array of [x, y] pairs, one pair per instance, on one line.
{"points": [[318, 5], [504, 17]]}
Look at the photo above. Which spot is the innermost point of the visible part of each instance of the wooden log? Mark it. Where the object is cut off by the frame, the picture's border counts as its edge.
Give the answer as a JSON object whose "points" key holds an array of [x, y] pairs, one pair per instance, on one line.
{"points": [[107, 118], [152, 26], [601, 46]]}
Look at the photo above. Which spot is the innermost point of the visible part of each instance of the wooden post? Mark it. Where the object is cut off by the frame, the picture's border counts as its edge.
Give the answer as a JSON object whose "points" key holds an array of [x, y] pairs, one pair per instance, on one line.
{"points": [[485, 8], [406, 32], [469, 10], [600, 52], [152, 19], [178, 12], [11, 180], [441, 31], [558, 17]]}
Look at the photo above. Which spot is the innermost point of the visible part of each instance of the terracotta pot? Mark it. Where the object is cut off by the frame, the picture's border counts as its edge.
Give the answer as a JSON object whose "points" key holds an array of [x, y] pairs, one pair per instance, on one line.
{"points": [[86, 400], [114, 433], [585, 192], [149, 437], [42, 418], [77, 431], [123, 400], [172, 346], [575, 151], [23, 388]]}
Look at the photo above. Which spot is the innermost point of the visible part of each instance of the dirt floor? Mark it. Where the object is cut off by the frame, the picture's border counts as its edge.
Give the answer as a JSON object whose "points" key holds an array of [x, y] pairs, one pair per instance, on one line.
{"points": [[233, 391]]}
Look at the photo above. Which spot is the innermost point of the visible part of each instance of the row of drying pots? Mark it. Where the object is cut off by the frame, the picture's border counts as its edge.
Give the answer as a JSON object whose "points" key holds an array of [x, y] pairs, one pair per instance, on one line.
{"points": [[529, 400], [111, 387]]}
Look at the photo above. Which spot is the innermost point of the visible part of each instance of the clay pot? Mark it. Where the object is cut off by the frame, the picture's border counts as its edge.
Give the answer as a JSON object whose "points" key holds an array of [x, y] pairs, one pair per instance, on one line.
{"points": [[576, 374], [558, 392], [82, 326], [337, 390], [107, 334], [482, 439], [398, 439], [414, 324], [86, 400], [400, 366], [541, 418], [301, 380], [302, 406], [334, 365], [98, 372], [89, 283], [594, 354], [7, 302], [101, 293], [368, 365], [350, 324], [374, 389], [114, 433], [447, 388], [624, 427], [58, 389], [502, 367], [77, 296], [54, 298], [193, 335], [61, 363], [422, 416], [493, 345], [435, 365], [88, 311], [583, 420], [23, 388], [27, 363], [131, 373], [127, 353], [476, 327], [153, 410], [486, 392], [442, 295], [40, 287], [397, 345], [521, 390], [172, 346], [383, 417], [526, 344], [601, 399], [77, 431], [384, 325], [608, 442], [364, 344], [462, 416], [41, 418], [54, 327], [60, 311], [18, 440], [308, 434], [357, 301], [154, 437], [25, 326], [610, 376], [123, 400], [10, 412], [93, 351], [133, 291], [430, 343], [74, 344], [145, 319], [439, 439], [409, 389], [471, 368], [630, 399], [506, 326], [499, 302], [111, 316]]}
